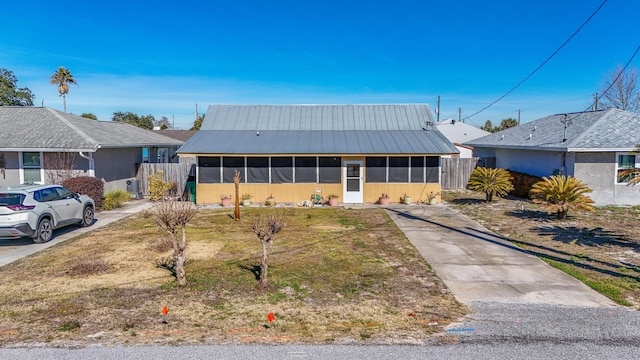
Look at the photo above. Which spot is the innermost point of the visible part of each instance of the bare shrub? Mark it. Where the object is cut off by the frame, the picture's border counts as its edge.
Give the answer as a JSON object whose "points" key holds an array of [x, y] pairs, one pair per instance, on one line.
{"points": [[60, 166], [89, 265], [266, 226], [172, 217]]}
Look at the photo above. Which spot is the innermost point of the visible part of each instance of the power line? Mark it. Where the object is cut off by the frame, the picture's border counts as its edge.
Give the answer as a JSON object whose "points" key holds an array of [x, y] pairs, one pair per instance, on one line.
{"points": [[543, 63]]}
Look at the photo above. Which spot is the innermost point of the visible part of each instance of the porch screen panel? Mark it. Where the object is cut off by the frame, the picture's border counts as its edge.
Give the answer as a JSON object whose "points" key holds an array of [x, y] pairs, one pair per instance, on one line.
{"points": [[417, 169], [433, 169], [376, 169], [258, 170], [330, 170], [281, 170], [229, 166], [306, 170], [398, 169], [209, 169]]}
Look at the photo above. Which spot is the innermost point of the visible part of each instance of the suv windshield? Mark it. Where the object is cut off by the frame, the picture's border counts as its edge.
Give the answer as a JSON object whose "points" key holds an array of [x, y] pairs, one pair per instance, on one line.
{"points": [[8, 199]]}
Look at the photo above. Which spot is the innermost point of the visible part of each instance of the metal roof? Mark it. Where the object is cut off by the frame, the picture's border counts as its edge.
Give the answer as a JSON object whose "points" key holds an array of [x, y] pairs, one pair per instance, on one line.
{"points": [[601, 130], [459, 132], [405, 142], [317, 117], [46, 129]]}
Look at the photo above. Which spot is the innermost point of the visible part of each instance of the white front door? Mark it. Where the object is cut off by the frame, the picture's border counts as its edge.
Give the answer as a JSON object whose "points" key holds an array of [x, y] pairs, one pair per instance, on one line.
{"points": [[352, 186]]}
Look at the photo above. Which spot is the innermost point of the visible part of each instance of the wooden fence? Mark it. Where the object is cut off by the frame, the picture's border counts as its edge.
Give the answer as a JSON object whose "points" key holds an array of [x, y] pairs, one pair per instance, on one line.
{"points": [[456, 172], [171, 172]]}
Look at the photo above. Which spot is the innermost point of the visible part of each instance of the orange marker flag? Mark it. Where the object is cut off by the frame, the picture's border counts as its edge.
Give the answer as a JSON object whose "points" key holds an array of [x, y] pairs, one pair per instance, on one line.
{"points": [[165, 310], [271, 317]]}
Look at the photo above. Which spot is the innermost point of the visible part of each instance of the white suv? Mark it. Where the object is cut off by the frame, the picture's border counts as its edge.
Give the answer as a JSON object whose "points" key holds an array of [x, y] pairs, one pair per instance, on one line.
{"points": [[36, 210]]}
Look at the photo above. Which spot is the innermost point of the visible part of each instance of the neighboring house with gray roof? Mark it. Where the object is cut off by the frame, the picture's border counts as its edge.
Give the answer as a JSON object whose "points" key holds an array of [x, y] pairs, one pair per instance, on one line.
{"points": [[593, 146], [293, 151], [459, 133], [31, 139]]}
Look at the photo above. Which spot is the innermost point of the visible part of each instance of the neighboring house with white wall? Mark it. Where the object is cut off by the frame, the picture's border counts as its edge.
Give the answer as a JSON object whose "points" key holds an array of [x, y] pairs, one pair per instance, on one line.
{"points": [[32, 138], [459, 133], [593, 146]]}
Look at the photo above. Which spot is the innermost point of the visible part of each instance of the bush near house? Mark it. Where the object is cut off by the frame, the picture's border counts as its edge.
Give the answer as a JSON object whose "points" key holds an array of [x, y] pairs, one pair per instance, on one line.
{"points": [[491, 182], [87, 185], [522, 183], [560, 193], [114, 199]]}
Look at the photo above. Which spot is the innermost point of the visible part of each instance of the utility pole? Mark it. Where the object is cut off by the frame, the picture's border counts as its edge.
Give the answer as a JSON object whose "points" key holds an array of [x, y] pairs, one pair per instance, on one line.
{"points": [[595, 106], [518, 117], [173, 121], [196, 113], [459, 114], [438, 110]]}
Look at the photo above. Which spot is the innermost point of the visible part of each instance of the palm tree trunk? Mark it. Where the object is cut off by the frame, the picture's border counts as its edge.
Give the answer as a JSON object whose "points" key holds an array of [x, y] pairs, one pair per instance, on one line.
{"points": [[64, 101]]}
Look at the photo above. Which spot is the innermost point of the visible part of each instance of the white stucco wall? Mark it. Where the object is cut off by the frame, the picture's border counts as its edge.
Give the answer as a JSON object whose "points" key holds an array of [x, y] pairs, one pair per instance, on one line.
{"points": [[539, 163], [598, 171]]}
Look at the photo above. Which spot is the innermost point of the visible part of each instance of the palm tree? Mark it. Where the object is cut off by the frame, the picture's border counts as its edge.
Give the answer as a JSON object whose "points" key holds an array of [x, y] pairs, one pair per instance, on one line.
{"points": [[561, 193], [63, 78], [490, 182]]}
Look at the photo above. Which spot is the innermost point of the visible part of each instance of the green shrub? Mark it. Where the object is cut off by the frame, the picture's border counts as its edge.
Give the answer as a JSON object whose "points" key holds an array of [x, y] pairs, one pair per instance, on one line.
{"points": [[490, 182], [114, 199], [157, 186], [560, 194], [87, 185], [522, 183]]}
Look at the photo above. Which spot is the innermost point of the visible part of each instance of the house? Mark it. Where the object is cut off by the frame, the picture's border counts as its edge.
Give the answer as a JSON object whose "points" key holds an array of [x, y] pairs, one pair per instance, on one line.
{"points": [[291, 152], [38, 143], [458, 133], [593, 146]]}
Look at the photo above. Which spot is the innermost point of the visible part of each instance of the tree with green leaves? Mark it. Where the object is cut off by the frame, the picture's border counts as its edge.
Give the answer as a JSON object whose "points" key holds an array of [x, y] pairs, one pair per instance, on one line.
{"points": [[197, 123], [62, 77], [504, 124], [89, 116], [560, 193], [490, 182], [488, 126], [144, 121], [10, 95]]}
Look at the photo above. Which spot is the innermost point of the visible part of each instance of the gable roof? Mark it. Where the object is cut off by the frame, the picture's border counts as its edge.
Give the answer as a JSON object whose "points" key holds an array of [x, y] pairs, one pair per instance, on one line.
{"points": [[318, 129], [317, 117], [182, 135], [600, 130], [458, 132], [46, 129]]}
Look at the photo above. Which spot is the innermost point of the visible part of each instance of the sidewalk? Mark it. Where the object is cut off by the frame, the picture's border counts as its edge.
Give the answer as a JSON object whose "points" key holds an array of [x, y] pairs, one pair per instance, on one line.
{"points": [[12, 250], [479, 266]]}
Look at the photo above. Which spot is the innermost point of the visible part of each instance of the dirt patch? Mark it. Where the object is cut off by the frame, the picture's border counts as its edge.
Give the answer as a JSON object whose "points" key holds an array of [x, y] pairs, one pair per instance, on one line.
{"points": [[336, 276], [601, 248]]}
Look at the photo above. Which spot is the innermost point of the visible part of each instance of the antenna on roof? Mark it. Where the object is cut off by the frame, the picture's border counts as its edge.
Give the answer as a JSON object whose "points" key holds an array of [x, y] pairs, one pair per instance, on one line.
{"points": [[566, 121]]}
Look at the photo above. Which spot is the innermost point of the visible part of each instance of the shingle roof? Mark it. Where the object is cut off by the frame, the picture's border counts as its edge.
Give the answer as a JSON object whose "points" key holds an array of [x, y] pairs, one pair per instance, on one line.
{"points": [[318, 129], [602, 130], [317, 117], [45, 129], [459, 132], [182, 135]]}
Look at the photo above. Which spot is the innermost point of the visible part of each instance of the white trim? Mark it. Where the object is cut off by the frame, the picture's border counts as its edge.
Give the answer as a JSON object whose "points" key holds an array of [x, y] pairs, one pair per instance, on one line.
{"points": [[353, 196], [21, 166]]}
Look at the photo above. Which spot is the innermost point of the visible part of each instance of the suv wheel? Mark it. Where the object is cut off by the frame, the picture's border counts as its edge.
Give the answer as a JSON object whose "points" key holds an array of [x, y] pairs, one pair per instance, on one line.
{"points": [[87, 216], [44, 232]]}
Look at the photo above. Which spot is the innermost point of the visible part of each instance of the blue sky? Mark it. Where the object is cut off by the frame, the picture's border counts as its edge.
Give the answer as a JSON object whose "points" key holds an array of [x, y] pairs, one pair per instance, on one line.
{"points": [[163, 57]]}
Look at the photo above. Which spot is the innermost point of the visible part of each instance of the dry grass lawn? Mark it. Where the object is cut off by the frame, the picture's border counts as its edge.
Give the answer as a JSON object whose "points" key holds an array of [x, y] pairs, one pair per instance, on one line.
{"points": [[337, 276], [601, 249]]}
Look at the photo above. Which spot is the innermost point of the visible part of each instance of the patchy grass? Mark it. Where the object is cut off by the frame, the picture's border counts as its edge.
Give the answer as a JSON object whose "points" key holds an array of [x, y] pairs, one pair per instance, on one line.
{"points": [[336, 276], [601, 249]]}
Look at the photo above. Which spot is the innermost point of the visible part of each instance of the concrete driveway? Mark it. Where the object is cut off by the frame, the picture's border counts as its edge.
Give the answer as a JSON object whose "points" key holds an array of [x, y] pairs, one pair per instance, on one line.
{"points": [[12, 250], [479, 266]]}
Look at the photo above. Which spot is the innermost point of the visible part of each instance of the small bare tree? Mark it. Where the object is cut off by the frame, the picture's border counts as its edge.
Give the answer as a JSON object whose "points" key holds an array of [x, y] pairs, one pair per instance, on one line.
{"points": [[59, 166], [236, 182], [624, 90], [266, 227], [172, 217]]}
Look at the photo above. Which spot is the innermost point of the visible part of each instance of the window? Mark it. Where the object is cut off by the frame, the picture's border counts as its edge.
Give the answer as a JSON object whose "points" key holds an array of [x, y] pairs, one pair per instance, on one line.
{"points": [[417, 169], [31, 168], [398, 169], [209, 170], [229, 167], [625, 162], [306, 170], [258, 170], [433, 169], [329, 170], [376, 169], [281, 170]]}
